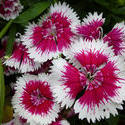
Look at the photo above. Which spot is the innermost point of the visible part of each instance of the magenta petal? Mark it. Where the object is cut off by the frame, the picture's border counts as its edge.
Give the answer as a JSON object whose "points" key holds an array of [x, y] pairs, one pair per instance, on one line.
{"points": [[91, 27], [71, 77], [91, 58], [67, 83], [116, 38]]}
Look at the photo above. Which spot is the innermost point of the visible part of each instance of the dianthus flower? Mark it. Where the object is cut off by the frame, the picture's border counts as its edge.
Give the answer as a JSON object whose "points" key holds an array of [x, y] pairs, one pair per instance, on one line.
{"points": [[34, 101], [53, 35], [116, 38], [91, 26], [92, 80], [10, 9], [20, 59]]}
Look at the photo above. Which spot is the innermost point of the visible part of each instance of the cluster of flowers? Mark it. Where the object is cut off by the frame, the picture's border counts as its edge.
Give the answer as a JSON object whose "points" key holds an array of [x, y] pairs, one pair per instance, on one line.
{"points": [[86, 69]]}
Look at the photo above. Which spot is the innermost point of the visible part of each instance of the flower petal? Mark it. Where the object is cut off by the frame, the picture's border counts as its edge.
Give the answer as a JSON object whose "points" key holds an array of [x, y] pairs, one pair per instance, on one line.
{"points": [[33, 100], [116, 38], [91, 26], [67, 82]]}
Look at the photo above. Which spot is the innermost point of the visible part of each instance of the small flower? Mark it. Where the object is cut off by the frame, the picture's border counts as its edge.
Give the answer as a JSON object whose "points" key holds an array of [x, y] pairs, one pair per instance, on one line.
{"points": [[116, 38], [34, 101], [10, 9], [91, 26], [53, 35], [93, 77], [20, 59]]}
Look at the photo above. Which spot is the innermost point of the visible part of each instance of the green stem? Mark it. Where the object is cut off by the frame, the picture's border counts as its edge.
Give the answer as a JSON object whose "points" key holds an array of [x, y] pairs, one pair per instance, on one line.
{"points": [[2, 91], [4, 30], [11, 39]]}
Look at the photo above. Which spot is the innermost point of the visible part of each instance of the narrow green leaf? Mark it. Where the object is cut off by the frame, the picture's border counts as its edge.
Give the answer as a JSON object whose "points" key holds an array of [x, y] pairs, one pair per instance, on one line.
{"points": [[32, 12], [12, 33], [2, 91], [4, 30], [119, 11]]}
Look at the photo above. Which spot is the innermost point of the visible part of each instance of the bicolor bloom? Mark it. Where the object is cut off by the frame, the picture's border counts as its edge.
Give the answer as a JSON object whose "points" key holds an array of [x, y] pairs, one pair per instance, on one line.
{"points": [[10, 9], [34, 101], [53, 35], [94, 77], [91, 26], [20, 60], [116, 38]]}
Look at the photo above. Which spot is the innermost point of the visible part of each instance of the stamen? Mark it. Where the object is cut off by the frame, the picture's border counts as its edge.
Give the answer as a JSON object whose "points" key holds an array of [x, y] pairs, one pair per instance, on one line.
{"points": [[101, 32]]}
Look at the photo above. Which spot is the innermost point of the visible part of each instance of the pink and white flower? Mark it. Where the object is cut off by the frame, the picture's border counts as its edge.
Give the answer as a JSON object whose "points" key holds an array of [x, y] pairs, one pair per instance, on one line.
{"points": [[10, 9], [53, 34], [34, 101], [20, 60], [116, 38], [94, 77], [91, 26]]}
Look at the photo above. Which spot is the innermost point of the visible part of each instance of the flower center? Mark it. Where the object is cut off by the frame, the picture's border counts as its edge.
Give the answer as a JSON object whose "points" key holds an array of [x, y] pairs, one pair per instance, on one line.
{"points": [[53, 30], [37, 98], [91, 77]]}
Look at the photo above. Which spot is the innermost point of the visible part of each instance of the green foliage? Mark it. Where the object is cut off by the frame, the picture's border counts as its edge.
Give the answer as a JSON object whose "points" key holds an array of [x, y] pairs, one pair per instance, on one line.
{"points": [[31, 13], [12, 34], [4, 30], [2, 91]]}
